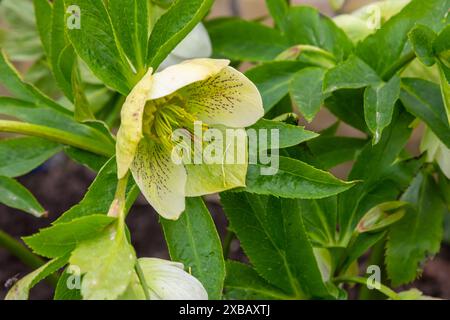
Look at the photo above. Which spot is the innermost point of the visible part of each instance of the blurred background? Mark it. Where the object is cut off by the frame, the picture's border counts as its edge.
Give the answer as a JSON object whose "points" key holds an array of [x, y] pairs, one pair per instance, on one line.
{"points": [[61, 183]]}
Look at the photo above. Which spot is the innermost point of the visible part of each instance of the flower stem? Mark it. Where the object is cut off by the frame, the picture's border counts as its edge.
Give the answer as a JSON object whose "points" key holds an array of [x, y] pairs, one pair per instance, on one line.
{"points": [[399, 64], [361, 280], [142, 280], [55, 135]]}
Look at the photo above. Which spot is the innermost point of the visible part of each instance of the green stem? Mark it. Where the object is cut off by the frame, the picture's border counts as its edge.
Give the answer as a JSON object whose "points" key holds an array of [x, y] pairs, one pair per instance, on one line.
{"points": [[56, 135], [23, 254], [142, 280], [117, 208], [398, 65], [361, 280]]}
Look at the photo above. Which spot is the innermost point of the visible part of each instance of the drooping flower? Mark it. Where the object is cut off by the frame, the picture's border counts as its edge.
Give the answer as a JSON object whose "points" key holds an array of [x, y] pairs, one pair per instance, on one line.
{"points": [[166, 280], [205, 90]]}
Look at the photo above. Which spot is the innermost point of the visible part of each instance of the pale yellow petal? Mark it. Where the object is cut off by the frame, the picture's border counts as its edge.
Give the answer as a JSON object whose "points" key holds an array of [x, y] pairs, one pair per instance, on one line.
{"points": [[183, 74], [130, 131], [228, 98], [160, 180]]}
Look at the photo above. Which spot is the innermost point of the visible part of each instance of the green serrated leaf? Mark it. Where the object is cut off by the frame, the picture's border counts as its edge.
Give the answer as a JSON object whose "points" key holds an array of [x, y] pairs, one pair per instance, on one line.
{"points": [[423, 99], [293, 179], [379, 103], [272, 246], [193, 240], [273, 80], [21, 290], [14, 195], [306, 91], [246, 41], [19, 156], [420, 232], [107, 263], [244, 283], [62, 238], [173, 26], [289, 135], [353, 73]]}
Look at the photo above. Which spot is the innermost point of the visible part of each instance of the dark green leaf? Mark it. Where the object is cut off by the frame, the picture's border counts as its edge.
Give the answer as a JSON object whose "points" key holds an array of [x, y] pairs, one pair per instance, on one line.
{"points": [[19, 156], [14, 195], [43, 10], [420, 232], [85, 158], [274, 241], [244, 283], [424, 100], [62, 292], [278, 10], [193, 240], [293, 179], [173, 26], [95, 43], [306, 91], [246, 41], [422, 39], [273, 80], [351, 74], [379, 103]]}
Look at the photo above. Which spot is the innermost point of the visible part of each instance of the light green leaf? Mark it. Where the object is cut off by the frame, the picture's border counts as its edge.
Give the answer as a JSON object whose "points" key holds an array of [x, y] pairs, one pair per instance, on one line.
{"points": [[294, 179], [42, 11], [173, 26], [246, 41], [351, 74], [420, 232], [274, 241], [95, 42], [107, 262], [379, 103], [62, 292], [278, 10], [244, 283], [62, 238], [306, 91], [21, 290], [273, 80], [19, 156], [193, 240], [423, 99], [14, 195]]}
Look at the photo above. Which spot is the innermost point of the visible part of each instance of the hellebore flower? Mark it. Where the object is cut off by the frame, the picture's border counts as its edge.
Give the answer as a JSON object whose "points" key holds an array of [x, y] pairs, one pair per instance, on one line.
{"points": [[166, 280], [205, 90], [197, 44], [436, 151], [366, 20]]}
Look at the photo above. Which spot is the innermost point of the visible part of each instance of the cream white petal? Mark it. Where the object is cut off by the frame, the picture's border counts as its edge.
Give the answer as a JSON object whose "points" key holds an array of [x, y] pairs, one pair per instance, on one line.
{"points": [[161, 181], [168, 281], [228, 98], [130, 131], [183, 74], [197, 44]]}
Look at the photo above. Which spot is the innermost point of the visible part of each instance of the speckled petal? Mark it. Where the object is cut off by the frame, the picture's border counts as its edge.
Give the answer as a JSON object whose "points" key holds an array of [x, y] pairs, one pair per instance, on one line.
{"points": [[228, 98], [161, 181], [183, 74], [216, 177], [130, 131]]}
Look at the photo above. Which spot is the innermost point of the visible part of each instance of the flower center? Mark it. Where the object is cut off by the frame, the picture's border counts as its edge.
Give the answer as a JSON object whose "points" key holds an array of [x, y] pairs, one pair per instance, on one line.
{"points": [[163, 116]]}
